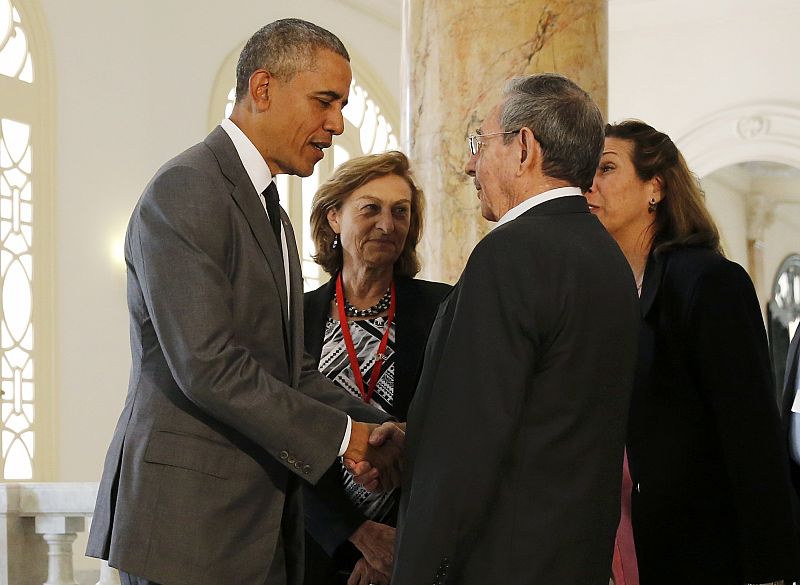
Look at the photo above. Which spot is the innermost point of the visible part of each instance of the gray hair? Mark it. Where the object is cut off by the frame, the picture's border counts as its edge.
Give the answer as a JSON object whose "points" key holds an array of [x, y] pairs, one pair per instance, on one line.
{"points": [[565, 121], [283, 48]]}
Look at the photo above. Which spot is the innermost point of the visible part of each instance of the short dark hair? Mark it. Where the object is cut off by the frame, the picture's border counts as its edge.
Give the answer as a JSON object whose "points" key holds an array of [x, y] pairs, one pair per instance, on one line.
{"points": [[348, 177], [283, 48], [682, 219], [565, 121]]}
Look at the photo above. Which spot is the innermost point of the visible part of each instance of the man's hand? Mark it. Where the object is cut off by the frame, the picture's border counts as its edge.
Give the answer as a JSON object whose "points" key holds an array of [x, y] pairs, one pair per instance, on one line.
{"points": [[364, 574], [374, 455], [376, 543], [359, 441], [355, 456]]}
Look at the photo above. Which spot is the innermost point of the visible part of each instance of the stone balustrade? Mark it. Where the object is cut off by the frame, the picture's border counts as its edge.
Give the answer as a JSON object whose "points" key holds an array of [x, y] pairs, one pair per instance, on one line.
{"points": [[38, 524]]}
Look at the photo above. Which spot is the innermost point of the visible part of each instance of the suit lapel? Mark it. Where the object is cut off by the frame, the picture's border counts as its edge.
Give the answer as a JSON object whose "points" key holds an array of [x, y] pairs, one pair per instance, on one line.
{"points": [[790, 380], [651, 283], [296, 300], [791, 372], [316, 309], [407, 330], [249, 203]]}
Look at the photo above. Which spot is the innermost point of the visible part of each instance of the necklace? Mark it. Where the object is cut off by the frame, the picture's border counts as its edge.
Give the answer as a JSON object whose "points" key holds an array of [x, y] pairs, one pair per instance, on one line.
{"points": [[380, 354], [376, 309]]}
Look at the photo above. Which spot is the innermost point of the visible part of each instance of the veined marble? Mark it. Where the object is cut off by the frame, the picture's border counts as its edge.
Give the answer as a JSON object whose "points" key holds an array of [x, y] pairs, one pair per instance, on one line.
{"points": [[457, 58]]}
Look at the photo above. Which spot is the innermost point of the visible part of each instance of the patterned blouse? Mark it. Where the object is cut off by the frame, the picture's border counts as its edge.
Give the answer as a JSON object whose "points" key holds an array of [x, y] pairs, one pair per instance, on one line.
{"points": [[334, 363]]}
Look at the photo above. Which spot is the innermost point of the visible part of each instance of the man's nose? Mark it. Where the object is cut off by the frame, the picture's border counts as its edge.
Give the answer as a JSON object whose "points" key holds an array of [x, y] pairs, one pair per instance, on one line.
{"points": [[470, 166], [335, 123]]}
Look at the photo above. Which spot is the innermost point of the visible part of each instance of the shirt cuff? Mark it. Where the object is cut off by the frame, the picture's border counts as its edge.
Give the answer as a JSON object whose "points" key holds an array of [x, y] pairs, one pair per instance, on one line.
{"points": [[346, 439]]}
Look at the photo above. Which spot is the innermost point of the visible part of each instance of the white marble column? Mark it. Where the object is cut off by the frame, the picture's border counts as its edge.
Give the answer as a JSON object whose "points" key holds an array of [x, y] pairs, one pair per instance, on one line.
{"points": [[760, 215], [38, 525], [59, 532], [457, 56], [108, 575], [22, 551]]}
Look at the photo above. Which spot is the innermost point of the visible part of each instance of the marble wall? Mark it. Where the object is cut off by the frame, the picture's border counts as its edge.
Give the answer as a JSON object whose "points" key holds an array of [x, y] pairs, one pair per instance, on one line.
{"points": [[457, 57]]}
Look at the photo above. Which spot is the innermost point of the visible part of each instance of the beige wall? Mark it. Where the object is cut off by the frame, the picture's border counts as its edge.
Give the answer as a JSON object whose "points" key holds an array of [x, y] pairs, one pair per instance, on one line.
{"points": [[673, 63]]}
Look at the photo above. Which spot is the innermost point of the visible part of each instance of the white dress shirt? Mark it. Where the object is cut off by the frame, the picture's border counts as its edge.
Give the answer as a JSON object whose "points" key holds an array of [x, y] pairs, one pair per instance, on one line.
{"points": [[532, 202], [261, 177]]}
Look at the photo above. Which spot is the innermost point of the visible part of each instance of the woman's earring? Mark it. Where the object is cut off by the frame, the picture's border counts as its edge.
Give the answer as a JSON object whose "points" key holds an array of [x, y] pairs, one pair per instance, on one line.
{"points": [[335, 243], [652, 207]]}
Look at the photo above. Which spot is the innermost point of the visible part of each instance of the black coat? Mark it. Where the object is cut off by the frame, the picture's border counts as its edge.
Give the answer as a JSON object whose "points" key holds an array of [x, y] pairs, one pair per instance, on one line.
{"points": [[330, 517], [517, 430], [711, 501]]}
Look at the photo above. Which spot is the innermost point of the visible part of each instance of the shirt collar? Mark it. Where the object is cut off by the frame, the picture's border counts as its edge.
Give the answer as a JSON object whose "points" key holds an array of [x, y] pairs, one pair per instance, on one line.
{"points": [[532, 202], [253, 162]]}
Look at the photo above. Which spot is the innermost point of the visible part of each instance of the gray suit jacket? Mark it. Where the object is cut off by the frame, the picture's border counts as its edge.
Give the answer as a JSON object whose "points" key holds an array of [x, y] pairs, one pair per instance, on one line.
{"points": [[225, 412]]}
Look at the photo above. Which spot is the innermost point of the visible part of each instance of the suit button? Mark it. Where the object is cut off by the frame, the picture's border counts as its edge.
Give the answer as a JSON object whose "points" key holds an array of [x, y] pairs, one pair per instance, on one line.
{"points": [[284, 455], [638, 487], [297, 464], [291, 460], [306, 469]]}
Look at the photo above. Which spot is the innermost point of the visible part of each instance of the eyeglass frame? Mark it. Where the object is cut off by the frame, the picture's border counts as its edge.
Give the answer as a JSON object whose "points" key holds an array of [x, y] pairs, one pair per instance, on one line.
{"points": [[474, 142]]}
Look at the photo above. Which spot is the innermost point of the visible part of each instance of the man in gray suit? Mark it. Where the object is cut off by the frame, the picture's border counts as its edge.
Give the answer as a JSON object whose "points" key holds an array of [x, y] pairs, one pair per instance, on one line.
{"points": [[225, 413]]}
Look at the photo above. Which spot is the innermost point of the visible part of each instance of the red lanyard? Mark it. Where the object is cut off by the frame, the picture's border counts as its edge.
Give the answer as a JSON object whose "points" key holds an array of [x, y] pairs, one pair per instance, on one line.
{"points": [[380, 356]]}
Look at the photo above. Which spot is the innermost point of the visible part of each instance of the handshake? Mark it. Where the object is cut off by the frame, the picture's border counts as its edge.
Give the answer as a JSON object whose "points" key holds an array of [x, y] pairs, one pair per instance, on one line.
{"points": [[375, 455]]}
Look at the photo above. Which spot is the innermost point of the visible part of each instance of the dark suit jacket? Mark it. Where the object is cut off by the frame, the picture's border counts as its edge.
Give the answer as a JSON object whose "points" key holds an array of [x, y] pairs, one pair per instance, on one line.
{"points": [[330, 517], [516, 432], [224, 414], [789, 387], [711, 498]]}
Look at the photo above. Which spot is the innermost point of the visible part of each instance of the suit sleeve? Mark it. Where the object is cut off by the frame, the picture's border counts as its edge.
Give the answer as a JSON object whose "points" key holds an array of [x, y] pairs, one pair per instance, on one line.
{"points": [[330, 517], [178, 246], [475, 381], [728, 349]]}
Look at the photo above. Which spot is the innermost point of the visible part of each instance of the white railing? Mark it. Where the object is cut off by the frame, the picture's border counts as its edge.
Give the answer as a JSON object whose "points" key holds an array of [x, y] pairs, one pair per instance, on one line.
{"points": [[38, 524]]}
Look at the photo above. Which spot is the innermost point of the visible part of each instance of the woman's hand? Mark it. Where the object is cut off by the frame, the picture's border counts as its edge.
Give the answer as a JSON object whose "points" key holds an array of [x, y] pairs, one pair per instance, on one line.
{"points": [[376, 543], [365, 574]]}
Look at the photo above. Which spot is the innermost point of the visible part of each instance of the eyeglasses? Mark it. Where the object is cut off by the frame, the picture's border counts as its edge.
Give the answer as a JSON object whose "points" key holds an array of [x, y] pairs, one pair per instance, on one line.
{"points": [[476, 140]]}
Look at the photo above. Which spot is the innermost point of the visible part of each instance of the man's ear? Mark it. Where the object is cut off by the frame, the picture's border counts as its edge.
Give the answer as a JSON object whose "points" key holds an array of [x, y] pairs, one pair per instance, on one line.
{"points": [[530, 149], [260, 85]]}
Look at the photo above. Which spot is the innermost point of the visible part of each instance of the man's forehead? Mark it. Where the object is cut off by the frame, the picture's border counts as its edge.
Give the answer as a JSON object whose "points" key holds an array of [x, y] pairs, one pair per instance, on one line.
{"points": [[492, 119], [325, 78]]}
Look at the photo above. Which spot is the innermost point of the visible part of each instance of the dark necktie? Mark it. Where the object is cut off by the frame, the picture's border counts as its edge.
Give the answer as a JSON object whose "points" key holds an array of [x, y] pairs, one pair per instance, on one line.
{"points": [[274, 211]]}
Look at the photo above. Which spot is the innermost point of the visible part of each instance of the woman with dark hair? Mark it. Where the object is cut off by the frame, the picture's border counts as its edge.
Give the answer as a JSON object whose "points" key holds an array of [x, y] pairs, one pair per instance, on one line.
{"points": [[705, 485], [367, 329]]}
